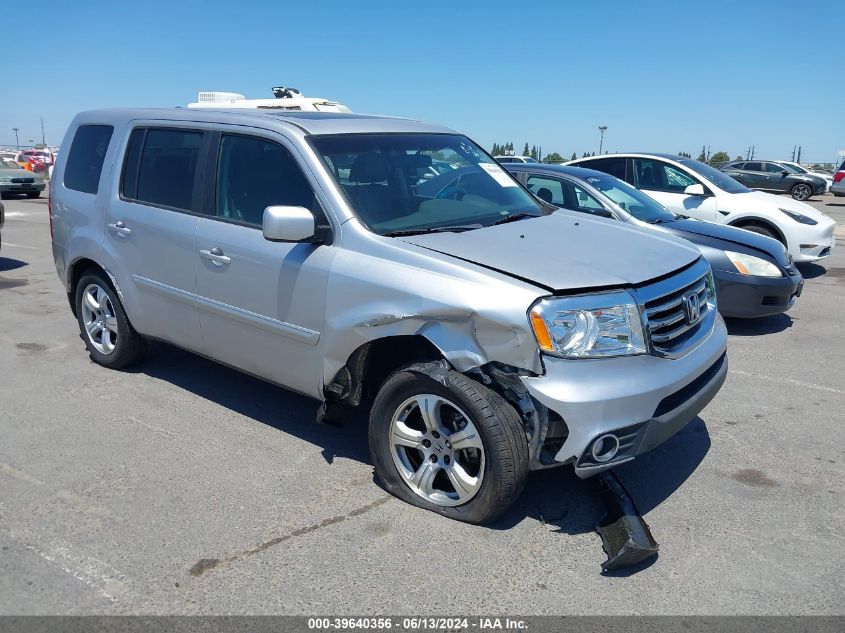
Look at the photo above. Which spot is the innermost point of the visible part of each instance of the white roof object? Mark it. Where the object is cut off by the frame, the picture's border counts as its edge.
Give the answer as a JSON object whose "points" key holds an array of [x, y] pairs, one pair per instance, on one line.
{"points": [[285, 99]]}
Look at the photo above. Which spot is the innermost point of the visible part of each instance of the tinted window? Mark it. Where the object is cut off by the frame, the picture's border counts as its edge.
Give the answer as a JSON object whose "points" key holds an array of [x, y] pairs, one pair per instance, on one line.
{"points": [[753, 167], [506, 159], [546, 189], [774, 168], [655, 175], [613, 166], [85, 159], [254, 174], [735, 166], [167, 167]]}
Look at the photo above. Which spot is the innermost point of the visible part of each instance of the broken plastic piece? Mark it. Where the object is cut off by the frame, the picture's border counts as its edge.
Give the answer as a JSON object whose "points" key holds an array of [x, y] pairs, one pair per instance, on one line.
{"points": [[625, 536]]}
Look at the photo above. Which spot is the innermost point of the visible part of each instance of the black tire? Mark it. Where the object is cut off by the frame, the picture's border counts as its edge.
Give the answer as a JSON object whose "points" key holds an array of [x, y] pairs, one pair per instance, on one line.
{"points": [[762, 230], [801, 192], [129, 346], [502, 436], [33, 194]]}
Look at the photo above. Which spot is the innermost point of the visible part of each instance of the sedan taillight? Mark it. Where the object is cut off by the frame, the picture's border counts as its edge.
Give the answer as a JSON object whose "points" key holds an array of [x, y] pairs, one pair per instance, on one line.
{"points": [[838, 176]]}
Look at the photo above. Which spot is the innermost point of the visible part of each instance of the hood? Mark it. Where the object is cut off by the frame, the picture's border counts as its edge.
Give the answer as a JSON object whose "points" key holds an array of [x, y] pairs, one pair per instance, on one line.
{"points": [[723, 237], [567, 251], [786, 202], [20, 173]]}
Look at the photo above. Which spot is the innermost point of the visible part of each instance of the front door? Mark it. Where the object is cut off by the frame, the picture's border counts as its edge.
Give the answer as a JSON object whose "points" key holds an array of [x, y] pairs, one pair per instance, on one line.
{"points": [[666, 184], [261, 303]]}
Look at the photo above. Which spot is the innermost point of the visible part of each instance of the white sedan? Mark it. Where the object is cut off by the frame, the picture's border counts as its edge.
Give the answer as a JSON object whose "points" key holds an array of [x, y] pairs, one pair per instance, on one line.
{"points": [[696, 190]]}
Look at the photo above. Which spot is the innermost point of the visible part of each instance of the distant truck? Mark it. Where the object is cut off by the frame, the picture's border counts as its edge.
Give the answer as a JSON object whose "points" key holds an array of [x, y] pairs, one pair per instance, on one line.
{"points": [[283, 99]]}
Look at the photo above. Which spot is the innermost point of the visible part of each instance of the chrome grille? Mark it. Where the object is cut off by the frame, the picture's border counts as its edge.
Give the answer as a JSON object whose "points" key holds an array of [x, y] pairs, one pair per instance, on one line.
{"points": [[671, 328]]}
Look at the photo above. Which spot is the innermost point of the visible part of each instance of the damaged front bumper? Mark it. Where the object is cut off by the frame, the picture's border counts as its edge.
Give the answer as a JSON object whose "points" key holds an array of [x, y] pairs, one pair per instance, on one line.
{"points": [[617, 408]]}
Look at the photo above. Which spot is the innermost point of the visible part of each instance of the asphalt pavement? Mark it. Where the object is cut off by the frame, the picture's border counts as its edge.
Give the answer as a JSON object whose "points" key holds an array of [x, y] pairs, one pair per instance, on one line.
{"points": [[181, 486]]}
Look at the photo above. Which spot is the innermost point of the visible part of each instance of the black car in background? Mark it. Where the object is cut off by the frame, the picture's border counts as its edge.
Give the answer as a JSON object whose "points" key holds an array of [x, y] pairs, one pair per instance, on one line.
{"points": [[767, 175], [755, 276]]}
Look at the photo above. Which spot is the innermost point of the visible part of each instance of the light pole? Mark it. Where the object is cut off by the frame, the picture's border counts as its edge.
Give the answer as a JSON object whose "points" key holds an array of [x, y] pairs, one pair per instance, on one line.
{"points": [[17, 141], [602, 128]]}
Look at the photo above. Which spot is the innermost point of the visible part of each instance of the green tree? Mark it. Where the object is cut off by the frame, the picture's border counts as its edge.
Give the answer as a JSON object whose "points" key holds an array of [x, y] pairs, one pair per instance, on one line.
{"points": [[738, 158], [526, 151], [684, 154], [719, 157], [554, 157], [574, 156], [533, 153]]}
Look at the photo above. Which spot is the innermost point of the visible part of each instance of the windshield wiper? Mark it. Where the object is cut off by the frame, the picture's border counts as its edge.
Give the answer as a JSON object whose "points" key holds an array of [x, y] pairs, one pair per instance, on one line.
{"points": [[514, 218], [433, 229]]}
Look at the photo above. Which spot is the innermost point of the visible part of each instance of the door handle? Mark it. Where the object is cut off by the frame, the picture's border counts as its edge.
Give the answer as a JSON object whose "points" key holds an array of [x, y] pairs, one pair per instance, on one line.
{"points": [[120, 228], [216, 256]]}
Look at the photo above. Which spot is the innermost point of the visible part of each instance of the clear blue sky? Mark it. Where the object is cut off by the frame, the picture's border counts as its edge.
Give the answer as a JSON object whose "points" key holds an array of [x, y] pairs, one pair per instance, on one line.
{"points": [[665, 76]]}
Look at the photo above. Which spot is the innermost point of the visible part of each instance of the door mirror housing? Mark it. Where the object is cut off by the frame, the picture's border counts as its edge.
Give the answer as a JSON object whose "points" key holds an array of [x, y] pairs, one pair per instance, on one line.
{"points": [[695, 190], [291, 224], [602, 213]]}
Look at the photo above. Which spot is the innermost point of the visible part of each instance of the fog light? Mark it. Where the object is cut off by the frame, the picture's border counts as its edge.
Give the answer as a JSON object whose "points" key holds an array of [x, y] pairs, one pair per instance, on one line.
{"points": [[605, 448]]}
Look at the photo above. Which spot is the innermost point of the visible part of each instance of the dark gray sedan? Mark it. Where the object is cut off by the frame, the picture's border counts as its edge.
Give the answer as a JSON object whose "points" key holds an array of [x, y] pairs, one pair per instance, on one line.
{"points": [[767, 175], [754, 274]]}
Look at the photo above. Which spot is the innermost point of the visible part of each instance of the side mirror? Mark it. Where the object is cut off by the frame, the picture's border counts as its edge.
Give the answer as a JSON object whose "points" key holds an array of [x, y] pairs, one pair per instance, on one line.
{"points": [[695, 190], [602, 213], [784, 173], [289, 224]]}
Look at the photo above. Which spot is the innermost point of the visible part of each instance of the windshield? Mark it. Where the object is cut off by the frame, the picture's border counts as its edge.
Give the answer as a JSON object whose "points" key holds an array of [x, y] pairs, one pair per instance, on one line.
{"points": [[630, 199], [722, 181], [422, 182], [9, 164]]}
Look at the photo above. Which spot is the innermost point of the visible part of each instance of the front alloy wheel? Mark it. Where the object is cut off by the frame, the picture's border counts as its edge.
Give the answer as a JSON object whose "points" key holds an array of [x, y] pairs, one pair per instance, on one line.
{"points": [[437, 450], [447, 443], [801, 191]]}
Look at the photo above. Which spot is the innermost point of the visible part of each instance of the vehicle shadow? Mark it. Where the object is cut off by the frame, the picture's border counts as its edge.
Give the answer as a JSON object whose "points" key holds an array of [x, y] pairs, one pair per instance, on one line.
{"points": [[256, 399], [810, 270], [556, 496], [7, 263], [755, 327]]}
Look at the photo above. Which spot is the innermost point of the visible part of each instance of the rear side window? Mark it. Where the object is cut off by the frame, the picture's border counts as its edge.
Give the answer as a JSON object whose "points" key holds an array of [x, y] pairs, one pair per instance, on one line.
{"points": [[253, 174], [86, 156], [753, 167], [613, 166], [161, 167]]}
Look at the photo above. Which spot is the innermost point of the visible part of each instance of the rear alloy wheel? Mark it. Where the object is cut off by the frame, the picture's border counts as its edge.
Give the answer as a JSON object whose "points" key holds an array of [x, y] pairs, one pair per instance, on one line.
{"points": [[801, 191], [453, 446], [109, 336]]}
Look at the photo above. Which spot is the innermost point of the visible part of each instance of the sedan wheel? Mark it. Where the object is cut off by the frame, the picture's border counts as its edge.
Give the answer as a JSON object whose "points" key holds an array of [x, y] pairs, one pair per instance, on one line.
{"points": [[801, 191]]}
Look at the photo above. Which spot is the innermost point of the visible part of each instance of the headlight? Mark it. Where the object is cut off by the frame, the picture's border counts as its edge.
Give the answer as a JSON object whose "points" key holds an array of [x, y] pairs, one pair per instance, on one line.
{"points": [[803, 219], [750, 265], [589, 326]]}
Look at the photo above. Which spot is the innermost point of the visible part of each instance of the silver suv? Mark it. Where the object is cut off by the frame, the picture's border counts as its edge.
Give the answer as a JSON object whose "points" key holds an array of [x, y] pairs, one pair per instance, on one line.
{"points": [[488, 335]]}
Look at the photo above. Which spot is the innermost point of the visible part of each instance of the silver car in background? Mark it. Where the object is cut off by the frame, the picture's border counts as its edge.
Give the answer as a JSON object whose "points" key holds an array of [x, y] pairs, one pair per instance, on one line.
{"points": [[487, 334]]}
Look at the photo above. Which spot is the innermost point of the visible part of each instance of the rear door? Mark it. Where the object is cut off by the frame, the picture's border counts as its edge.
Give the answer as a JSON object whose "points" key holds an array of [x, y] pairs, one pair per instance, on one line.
{"points": [[752, 175], [666, 184], [261, 303], [150, 229]]}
